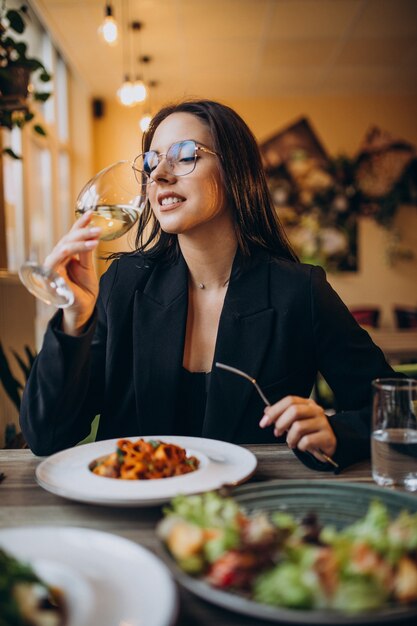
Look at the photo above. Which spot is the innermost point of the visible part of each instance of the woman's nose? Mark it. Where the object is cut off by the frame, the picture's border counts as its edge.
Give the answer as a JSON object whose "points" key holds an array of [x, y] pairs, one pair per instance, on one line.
{"points": [[163, 171]]}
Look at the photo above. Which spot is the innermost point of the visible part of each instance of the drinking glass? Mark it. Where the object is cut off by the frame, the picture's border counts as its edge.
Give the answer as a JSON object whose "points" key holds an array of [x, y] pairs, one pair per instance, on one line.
{"points": [[394, 432], [117, 196]]}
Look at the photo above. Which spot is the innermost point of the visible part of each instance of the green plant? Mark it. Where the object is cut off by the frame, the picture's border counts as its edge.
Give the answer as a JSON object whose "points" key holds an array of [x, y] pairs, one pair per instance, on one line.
{"points": [[16, 71], [13, 387]]}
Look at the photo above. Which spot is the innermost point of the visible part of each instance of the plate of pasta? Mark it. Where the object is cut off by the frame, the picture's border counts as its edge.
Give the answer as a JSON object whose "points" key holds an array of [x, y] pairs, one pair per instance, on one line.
{"points": [[146, 471]]}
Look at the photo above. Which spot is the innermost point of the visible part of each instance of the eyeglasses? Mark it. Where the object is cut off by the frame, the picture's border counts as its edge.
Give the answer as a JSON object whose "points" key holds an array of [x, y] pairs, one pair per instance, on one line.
{"points": [[181, 158]]}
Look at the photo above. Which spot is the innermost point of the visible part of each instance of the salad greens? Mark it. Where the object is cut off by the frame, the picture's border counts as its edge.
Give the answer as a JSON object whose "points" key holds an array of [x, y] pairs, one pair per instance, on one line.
{"points": [[297, 563], [205, 510], [12, 571], [24, 598]]}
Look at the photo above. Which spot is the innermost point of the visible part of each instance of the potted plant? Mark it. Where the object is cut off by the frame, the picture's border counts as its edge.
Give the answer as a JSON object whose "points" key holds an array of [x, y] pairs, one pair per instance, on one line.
{"points": [[16, 70]]}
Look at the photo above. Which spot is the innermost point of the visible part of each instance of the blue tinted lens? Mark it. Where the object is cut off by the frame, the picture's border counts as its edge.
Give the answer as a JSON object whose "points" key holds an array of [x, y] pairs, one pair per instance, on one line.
{"points": [[150, 161], [181, 156]]}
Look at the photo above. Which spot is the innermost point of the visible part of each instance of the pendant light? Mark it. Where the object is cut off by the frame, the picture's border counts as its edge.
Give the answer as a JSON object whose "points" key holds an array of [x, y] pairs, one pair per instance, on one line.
{"points": [[108, 30], [144, 121], [146, 116], [125, 91], [139, 88], [132, 92]]}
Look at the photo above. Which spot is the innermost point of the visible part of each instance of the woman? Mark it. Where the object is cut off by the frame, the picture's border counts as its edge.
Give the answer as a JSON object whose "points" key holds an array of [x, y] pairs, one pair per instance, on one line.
{"points": [[213, 279]]}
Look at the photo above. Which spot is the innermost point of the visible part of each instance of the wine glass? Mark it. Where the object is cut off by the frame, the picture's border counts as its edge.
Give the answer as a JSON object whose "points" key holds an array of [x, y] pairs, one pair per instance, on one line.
{"points": [[117, 196]]}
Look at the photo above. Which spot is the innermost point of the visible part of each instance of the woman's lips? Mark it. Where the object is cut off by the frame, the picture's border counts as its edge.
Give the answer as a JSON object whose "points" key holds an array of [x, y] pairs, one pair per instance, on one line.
{"points": [[169, 201], [169, 207]]}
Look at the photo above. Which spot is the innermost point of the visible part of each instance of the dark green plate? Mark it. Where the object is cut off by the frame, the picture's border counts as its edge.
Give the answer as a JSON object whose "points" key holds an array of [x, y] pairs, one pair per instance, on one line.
{"points": [[336, 503]]}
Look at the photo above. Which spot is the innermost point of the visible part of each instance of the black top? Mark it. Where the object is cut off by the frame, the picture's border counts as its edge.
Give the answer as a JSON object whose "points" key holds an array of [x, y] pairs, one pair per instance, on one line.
{"points": [[281, 322], [191, 405]]}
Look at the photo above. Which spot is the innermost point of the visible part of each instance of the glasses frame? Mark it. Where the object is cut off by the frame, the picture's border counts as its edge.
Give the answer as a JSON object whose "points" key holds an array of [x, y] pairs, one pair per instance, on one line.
{"points": [[161, 155]]}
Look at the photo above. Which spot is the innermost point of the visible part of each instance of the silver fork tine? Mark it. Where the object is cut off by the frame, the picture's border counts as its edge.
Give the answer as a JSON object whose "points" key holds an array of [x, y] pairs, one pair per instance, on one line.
{"points": [[234, 370]]}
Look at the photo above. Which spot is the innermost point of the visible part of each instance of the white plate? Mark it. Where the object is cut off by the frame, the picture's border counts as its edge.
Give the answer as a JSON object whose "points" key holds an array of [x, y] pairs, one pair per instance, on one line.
{"points": [[67, 473], [107, 580]]}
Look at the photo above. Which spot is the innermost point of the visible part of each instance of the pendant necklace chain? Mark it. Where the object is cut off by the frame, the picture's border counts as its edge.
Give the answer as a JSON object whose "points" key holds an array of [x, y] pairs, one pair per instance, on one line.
{"points": [[202, 285]]}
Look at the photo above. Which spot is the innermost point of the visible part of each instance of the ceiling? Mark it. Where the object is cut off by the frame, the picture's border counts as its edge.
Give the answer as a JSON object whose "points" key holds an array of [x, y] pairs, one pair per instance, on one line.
{"points": [[232, 49]]}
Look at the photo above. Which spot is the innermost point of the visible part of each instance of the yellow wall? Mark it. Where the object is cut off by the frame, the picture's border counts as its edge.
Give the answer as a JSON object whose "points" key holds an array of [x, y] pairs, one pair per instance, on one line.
{"points": [[340, 123], [116, 135], [81, 133]]}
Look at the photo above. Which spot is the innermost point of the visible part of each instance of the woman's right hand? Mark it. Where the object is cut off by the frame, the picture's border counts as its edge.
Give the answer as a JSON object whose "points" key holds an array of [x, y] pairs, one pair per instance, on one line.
{"points": [[72, 258]]}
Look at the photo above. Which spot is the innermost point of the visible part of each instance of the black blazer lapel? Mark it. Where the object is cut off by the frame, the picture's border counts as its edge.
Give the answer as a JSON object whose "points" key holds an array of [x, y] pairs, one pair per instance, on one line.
{"points": [[159, 322], [244, 334]]}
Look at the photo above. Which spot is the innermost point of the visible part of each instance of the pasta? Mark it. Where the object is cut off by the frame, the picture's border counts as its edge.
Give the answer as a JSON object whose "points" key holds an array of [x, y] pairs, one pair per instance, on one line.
{"points": [[145, 460]]}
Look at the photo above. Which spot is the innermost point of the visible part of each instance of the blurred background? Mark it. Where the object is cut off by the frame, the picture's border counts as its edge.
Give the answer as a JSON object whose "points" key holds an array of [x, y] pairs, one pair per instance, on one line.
{"points": [[329, 88]]}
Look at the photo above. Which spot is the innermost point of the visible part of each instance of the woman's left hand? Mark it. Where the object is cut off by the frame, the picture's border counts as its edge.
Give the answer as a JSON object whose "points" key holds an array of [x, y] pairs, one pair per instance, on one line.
{"points": [[305, 423]]}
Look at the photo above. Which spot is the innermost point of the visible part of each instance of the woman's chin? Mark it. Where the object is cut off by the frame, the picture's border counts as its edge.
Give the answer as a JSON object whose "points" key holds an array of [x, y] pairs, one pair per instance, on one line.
{"points": [[174, 226], [170, 230]]}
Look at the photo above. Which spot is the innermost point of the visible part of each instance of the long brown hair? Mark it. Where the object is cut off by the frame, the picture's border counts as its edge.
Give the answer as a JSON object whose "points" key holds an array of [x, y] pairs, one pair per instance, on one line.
{"points": [[256, 222]]}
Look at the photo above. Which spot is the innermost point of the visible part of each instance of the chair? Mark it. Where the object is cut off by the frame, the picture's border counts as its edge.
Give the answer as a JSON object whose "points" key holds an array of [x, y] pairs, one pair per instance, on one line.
{"points": [[366, 316], [405, 317]]}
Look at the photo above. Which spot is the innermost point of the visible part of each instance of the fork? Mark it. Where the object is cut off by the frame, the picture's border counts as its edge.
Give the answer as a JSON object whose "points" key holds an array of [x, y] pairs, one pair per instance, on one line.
{"points": [[234, 370]]}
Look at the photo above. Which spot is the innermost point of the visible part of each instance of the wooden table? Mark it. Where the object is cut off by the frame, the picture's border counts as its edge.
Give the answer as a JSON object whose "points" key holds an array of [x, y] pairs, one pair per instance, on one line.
{"points": [[23, 502], [397, 345]]}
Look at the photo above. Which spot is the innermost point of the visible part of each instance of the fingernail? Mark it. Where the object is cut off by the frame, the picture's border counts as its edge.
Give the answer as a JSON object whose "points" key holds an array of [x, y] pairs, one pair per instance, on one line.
{"points": [[91, 243], [264, 421], [95, 230]]}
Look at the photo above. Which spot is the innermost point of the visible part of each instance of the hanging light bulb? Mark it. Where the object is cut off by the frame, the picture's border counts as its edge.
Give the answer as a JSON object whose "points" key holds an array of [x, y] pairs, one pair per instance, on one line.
{"points": [[146, 118], [125, 93], [108, 29], [144, 122], [139, 90]]}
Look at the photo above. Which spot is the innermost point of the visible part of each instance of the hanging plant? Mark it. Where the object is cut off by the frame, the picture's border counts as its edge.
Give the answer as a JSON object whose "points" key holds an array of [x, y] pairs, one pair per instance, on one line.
{"points": [[16, 71]]}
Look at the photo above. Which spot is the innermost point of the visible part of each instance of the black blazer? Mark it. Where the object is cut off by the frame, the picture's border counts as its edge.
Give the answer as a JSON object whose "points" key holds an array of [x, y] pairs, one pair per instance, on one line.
{"points": [[281, 322]]}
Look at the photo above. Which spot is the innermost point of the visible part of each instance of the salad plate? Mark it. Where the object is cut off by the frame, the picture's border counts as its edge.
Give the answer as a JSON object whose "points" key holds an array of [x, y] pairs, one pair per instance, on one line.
{"points": [[336, 504], [105, 579], [68, 473]]}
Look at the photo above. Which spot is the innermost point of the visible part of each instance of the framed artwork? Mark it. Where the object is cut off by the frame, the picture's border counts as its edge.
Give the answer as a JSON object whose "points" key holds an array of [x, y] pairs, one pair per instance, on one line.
{"points": [[309, 191], [299, 137]]}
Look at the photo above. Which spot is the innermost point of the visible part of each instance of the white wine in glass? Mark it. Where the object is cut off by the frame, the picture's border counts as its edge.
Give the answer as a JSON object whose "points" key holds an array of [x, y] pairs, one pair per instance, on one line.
{"points": [[117, 196]]}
